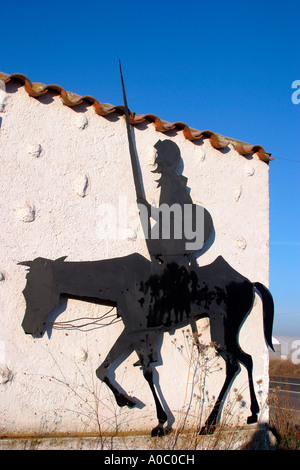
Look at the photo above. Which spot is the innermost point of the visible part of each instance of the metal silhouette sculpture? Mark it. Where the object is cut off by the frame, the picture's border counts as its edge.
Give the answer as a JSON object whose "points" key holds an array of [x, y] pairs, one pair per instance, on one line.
{"points": [[152, 297]]}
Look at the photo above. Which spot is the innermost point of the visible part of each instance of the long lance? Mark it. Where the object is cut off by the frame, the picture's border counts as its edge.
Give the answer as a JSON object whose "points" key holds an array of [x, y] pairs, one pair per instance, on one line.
{"points": [[134, 163], [133, 155]]}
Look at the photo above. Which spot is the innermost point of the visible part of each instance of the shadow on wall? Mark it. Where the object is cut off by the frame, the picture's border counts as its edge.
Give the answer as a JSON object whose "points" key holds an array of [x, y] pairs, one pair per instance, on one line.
{"points": [[263, 439], [152, 297]]}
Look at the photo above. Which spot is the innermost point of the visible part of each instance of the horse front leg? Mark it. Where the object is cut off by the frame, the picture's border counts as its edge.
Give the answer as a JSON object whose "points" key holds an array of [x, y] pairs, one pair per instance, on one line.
{"points": [[160, 413], [122, 345], [147, 355]]}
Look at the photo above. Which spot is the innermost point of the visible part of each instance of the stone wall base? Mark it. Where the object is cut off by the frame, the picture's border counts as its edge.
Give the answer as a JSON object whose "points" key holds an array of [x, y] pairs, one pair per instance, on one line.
{"points": [[259, 438]]}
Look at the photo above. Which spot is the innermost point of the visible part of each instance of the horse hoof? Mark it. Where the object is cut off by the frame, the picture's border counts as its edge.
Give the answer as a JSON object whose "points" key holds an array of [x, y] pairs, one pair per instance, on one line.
{"points": [[207, 429], [130, 403], [125, 401], [252, 419], [157, 432]]}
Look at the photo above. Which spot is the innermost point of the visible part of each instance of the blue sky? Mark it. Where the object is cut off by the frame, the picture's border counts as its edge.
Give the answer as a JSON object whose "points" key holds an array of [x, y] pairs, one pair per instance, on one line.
{"points": [[223, 66]]}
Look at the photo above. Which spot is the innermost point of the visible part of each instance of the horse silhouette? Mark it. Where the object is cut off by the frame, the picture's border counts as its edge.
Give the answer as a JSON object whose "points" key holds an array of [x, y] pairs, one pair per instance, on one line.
{"points": [[152, 298], [165, 293]]}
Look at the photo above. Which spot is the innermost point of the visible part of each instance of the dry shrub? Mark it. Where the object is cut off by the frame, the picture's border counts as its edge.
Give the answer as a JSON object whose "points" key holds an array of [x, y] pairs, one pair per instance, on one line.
{"points": [[283, 368], [282, 421]]}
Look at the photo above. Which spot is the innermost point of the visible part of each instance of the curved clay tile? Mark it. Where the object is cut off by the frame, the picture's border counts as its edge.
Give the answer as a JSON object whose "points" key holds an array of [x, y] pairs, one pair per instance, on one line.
{"points": [[103, 109]]}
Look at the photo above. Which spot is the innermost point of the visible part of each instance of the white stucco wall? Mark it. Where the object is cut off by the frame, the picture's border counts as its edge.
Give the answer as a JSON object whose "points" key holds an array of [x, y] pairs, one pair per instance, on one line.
{"points": [[48, 152]]}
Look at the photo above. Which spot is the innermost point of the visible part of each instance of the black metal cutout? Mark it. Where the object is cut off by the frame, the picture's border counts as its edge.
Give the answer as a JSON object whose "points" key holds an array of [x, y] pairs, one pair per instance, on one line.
{"points": [[151, 297]]}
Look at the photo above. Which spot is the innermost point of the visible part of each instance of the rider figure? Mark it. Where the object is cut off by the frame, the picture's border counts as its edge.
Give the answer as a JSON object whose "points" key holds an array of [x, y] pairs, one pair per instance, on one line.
{"points": [[178, 220]]}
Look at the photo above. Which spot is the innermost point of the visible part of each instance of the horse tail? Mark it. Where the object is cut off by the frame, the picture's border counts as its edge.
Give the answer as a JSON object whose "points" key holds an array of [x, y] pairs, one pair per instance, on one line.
{"points": [[268, 311]]}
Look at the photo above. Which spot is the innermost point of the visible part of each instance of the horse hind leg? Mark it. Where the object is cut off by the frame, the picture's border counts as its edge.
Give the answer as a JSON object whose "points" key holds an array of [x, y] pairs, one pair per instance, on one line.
{"points": [[121, 345], [232, 369], [246, 359]]}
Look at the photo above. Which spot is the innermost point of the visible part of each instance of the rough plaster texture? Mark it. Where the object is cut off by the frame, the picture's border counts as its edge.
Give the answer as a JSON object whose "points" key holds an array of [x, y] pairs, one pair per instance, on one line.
{"points": [[58, 166]]}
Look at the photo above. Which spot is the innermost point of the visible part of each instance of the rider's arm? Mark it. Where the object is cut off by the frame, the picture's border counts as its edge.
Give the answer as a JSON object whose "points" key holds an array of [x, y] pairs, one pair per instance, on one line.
{"points": [[153, 212]]}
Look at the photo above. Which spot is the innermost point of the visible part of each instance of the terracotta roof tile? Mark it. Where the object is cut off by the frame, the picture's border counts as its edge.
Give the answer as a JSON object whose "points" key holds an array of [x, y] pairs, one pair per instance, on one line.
{"points": [[103, 109]]}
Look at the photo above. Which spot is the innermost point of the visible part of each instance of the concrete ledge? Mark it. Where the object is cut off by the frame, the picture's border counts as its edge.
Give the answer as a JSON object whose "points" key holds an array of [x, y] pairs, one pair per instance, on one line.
{"points": [[254, 439]]}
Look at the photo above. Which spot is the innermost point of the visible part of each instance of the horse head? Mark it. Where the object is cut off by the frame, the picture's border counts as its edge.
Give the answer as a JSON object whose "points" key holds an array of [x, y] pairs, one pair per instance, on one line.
{"points": [[40, 294]]}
